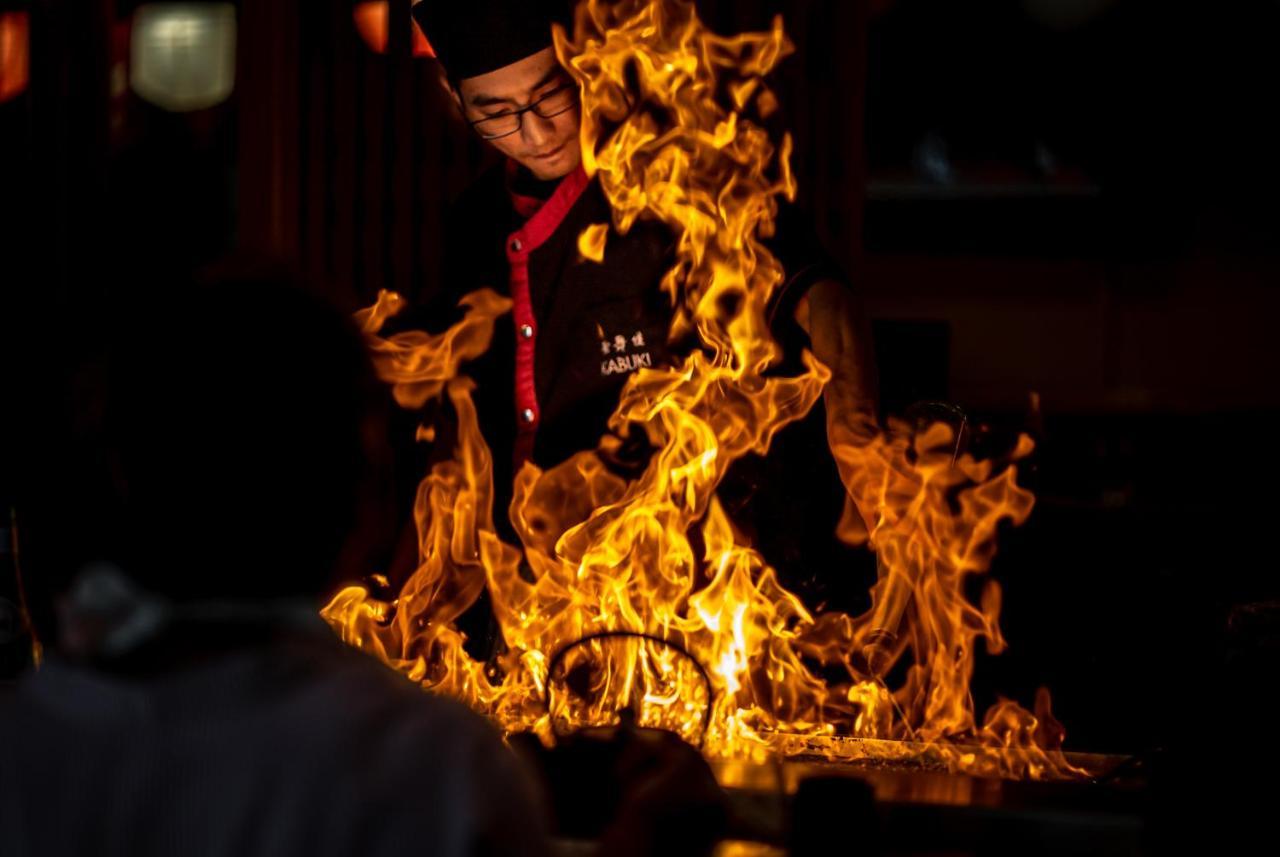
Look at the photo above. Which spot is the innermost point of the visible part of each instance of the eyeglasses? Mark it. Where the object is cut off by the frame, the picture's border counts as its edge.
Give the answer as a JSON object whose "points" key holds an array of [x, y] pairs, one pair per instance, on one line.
{"points": [[554, 103]]}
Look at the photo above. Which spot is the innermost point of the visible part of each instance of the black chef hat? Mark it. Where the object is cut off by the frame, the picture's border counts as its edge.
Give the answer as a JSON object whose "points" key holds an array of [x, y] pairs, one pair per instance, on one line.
{"points": [[475, 37]]}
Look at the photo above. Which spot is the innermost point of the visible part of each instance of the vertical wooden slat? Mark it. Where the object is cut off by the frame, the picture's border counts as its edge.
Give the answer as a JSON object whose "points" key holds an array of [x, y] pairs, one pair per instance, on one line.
{"points": [[267, 68], [423, 155], [343, 134], [853, 187], [327, 58], [318, 245], [359, 205], [308, 19], [371, 153], [397, 177], [384, 164], [445, 162]]}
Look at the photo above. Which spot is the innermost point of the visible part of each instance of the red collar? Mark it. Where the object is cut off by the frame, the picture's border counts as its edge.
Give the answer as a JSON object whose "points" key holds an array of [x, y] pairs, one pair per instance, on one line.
{"points": [[545, 216], [544, 219]]}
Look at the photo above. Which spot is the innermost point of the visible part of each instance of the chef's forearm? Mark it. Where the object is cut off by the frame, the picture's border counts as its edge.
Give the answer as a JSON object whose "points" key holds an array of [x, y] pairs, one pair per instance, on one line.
{"points": [[840, 337]]}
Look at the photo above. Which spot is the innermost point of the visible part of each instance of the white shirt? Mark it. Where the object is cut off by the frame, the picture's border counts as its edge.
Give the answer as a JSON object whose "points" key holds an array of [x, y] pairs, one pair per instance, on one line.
{"points": [[301, 746]]}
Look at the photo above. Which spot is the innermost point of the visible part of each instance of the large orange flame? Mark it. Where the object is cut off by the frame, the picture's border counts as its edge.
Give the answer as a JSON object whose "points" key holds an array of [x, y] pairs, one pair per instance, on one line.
{"points": [[640, 596]]}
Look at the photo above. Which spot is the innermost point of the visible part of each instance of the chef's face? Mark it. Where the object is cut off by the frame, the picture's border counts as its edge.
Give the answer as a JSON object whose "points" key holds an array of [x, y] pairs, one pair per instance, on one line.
{"points": [[545, 144]]}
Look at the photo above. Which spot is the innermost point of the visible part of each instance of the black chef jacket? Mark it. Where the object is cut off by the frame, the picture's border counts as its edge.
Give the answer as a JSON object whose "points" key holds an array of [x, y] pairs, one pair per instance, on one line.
{"points": [[578, 329]]}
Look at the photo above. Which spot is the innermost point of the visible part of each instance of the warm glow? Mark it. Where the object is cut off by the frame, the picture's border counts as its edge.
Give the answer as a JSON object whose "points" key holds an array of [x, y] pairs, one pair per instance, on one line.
{"points": [[15, 56], [641, 596], [183, 55], [372, 21]]}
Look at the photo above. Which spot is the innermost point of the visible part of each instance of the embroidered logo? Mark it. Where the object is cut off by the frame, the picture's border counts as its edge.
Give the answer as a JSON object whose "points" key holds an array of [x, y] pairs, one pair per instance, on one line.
{"points": [[627, 354]]}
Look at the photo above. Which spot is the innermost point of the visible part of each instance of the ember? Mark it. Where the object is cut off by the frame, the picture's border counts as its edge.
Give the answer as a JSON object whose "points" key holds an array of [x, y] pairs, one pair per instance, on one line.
{"points": [[685, 624]]}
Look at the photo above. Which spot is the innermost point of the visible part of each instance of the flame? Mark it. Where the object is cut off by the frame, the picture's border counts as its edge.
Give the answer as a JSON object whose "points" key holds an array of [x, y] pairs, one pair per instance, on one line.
{"points": [[592, 240], [372, 19], [639, 596]]}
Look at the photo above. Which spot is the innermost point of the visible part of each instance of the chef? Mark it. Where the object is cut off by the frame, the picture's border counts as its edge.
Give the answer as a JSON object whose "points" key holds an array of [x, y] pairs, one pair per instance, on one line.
{"points": [[578, 329]]}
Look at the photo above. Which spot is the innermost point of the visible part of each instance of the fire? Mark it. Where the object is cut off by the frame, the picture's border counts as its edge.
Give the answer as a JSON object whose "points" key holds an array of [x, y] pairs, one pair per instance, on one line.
{"points": [[639, 597], [372, 19]]}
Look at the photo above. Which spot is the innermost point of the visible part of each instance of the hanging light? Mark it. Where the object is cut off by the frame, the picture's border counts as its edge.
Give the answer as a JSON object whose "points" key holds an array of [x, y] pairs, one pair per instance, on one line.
{"points": [[183, 55], [372, 19], [15, 56]]}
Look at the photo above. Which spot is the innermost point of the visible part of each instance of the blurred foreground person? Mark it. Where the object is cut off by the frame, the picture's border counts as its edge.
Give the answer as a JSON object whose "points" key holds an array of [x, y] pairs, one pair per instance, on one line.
{"points": [[195, 703]]}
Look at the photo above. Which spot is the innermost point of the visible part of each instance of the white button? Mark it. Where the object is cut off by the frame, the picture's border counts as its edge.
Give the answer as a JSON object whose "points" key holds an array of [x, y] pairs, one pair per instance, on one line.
{"points": [[526, 331], [527, 415], [516, 245]]}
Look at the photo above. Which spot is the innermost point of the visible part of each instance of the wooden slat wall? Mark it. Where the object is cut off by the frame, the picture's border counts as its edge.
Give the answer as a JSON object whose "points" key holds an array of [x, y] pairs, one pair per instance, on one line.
{"points": [[364, 134]]}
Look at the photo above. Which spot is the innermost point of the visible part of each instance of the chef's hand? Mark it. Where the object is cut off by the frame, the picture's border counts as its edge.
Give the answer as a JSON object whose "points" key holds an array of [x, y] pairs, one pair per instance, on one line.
{"points": [[840, 337]]}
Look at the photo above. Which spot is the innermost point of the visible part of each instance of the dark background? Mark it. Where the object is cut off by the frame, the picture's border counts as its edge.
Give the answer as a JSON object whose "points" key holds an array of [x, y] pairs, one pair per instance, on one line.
{"points": [[1070, 199]]}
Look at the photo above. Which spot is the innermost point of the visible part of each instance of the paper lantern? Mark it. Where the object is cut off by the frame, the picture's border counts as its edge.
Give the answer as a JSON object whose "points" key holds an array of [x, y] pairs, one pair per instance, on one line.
{"points": [[15, 65], [183, 55], [372, 21]]}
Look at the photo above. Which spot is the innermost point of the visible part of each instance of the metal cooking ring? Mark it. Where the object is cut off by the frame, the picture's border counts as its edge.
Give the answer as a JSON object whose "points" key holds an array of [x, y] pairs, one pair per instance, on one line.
{"points": [[604, 635]]}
